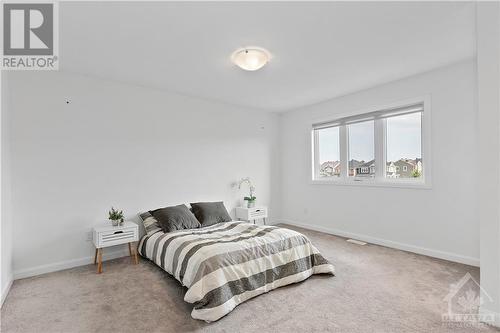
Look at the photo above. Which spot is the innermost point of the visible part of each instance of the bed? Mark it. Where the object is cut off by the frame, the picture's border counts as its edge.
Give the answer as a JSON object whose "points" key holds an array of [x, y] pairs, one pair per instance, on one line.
{"points": [[228, 263]]}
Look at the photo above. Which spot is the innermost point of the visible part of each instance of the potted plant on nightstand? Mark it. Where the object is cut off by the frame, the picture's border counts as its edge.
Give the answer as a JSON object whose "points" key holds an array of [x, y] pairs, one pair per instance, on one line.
{"points": [[250, 199], [116, 217]]}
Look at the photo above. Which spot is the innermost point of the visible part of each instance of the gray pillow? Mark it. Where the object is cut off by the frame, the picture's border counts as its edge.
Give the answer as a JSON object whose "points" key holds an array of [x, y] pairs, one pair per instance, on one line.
{"points": [[175, 218], [209, 213]]}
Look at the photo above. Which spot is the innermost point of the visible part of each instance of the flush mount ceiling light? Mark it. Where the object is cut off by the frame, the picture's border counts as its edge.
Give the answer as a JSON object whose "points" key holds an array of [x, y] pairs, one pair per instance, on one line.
{"points": [[251, 58]]}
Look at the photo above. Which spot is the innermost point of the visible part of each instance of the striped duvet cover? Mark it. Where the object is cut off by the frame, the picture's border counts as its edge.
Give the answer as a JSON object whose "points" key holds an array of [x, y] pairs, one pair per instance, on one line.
{"points": [[225, 264]]}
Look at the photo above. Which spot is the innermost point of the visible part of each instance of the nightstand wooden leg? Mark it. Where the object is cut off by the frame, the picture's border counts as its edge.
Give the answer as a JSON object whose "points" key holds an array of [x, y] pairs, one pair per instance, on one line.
{"points": [[95, 257], [136, 260], [133, 253], [99, 265]]}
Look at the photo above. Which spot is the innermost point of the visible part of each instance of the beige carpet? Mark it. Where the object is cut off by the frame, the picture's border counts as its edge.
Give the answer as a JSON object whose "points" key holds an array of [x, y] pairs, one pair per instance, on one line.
{"points": [[376, 289]]}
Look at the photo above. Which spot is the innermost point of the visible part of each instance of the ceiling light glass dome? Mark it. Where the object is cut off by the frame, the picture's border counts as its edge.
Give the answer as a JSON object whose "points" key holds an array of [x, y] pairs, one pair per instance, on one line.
{"points": [[251, 58]]}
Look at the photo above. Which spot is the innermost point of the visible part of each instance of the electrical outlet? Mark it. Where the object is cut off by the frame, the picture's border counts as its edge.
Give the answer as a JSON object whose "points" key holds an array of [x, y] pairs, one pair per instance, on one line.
{"points": [[89, 236]]}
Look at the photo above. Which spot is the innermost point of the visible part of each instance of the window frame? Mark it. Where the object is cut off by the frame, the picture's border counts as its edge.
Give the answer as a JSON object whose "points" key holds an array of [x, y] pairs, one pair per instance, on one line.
{"points": [[380, 141]]}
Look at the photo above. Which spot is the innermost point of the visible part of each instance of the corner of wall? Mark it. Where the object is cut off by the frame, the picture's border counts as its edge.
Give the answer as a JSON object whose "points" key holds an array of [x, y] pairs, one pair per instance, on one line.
{"points": [[276, 175], [6, 289], [6, 275]]}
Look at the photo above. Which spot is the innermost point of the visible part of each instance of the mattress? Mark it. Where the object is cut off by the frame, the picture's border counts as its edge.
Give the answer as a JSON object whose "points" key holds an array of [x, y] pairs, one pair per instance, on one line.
{"points": [[228, 263]]}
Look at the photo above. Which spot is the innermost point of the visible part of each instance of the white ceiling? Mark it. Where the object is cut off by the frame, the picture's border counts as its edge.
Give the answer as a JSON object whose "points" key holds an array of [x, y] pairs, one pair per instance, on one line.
{"points": [[320, 50]]}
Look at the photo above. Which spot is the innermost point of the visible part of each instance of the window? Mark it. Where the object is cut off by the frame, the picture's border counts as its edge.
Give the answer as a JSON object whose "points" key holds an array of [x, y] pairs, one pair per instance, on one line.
{"points": [[404, 144], [361, 149], [328, 163], [381, 147]]}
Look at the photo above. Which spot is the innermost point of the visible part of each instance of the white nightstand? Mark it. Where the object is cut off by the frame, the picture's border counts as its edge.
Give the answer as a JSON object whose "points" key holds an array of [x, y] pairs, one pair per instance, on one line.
{"points": [[251, 214], [108, 235]]}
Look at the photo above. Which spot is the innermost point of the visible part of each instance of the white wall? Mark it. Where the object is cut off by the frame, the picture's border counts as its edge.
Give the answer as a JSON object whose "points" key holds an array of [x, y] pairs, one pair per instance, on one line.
{"points": [[441, 221], [121, 145], [488, 88], [5, 192]]}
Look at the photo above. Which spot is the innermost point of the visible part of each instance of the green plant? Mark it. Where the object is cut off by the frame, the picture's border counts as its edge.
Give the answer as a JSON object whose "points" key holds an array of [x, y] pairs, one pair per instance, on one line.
{"points": [[115, 215], [416, 173], [252, 198]]}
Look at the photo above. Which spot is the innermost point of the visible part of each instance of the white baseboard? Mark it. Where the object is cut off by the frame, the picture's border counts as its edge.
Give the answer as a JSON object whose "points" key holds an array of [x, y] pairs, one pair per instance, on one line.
{"points": [[6, 290], [388, 243], [58, 266]]}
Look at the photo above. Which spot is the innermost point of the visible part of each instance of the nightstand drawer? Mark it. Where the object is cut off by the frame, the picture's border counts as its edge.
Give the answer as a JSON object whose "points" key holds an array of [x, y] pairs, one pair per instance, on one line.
{"points": [[257, 213], [249, 214], [119, 235]]}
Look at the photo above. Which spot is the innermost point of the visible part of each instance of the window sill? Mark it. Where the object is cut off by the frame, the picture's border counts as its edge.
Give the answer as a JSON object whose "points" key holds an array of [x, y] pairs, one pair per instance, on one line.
{"points": [[373, 183]]}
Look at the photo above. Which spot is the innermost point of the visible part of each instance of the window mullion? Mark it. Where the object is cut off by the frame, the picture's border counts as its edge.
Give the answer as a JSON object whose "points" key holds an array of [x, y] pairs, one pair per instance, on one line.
{"points": [[380, 150], [343, 152]]}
